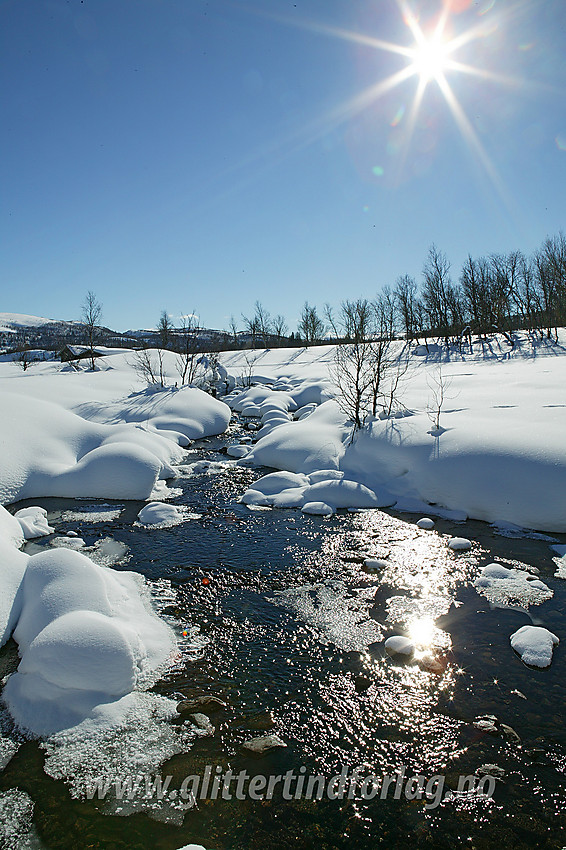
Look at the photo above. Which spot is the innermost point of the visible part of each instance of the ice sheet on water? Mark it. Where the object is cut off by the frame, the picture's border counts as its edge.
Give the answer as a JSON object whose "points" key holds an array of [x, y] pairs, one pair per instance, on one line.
{"points": [[16, 827], [124, 739], [338, 616], [560, 561], [93, 513], [505, 587], [507, 529]]}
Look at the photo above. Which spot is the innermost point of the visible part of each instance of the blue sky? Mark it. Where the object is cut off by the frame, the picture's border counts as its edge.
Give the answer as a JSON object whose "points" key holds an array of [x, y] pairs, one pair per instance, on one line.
{"points": [[197, 155]]}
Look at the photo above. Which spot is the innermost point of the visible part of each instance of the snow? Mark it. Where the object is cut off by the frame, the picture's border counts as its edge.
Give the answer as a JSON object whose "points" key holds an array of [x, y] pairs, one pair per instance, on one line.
{"points": [[501, 456], [400, 645], [317, 508], [425, 522], [459, 544], [535, 645], [505, 587], [34, 523], [161, 515], [102, 434], [86, 636]]}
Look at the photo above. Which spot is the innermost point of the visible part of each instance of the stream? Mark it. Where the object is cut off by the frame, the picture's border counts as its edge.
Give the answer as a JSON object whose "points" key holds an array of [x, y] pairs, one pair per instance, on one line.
{"points": [[283, 624]]}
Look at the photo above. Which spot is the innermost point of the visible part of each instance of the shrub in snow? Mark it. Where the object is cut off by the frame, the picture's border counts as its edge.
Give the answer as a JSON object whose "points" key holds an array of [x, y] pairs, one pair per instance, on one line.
{"points": [[318, 508], [535, 645]]}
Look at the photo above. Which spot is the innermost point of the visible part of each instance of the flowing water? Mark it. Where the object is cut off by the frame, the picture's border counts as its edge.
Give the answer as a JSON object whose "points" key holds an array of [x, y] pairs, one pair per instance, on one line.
{"points": [[285, 626]]}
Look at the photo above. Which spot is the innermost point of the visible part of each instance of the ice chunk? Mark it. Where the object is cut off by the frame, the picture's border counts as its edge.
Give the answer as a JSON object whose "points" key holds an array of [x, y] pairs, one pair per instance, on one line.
{"points": [[399, 645]]}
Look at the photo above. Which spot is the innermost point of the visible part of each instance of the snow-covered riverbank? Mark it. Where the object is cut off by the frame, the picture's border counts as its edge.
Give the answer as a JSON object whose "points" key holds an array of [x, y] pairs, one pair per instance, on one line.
{"points": [[499, 455]]}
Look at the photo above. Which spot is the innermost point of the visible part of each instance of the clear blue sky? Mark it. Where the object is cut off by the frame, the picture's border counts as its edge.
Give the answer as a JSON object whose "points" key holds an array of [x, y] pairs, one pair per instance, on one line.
{"points": [[195, 155]]}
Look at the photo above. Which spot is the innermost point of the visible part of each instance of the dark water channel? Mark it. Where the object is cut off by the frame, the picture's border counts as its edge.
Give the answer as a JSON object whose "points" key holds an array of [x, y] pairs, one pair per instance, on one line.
{"points": [[295, 630]]}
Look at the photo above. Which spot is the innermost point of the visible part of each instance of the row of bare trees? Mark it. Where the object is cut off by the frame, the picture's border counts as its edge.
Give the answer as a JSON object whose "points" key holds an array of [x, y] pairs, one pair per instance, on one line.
{"points": [[500, 293]]}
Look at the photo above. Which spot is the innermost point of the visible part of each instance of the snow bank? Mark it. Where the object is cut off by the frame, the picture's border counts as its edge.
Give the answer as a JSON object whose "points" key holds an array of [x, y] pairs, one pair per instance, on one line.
{"points": [[12, 568], [535, 645], [114, 448]]}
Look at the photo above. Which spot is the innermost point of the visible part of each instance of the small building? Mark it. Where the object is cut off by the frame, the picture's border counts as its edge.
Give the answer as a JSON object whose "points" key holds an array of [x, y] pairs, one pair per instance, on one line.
{"points": [[78, 352]]}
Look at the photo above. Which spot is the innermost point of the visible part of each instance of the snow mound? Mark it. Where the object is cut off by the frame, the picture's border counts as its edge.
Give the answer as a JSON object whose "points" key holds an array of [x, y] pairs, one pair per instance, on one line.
{"points": [[161, 515], [425, 522], [86, 636], [295, 490], [399, 645], [535, 645], [237, 451], [459, 544], [34, 522], [317, 508], [505, 587]]}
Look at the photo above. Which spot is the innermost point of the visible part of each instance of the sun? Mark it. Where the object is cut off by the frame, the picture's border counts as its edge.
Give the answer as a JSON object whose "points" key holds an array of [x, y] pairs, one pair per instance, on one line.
{"points": [[430, 58]]}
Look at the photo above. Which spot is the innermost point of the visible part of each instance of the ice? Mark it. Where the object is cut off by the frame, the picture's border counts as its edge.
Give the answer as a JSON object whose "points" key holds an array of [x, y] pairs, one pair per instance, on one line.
{"points": [[16, 827], [560, 561], [124, 738], [93, 513], [337, 616], [535, 645], [506, 587]]}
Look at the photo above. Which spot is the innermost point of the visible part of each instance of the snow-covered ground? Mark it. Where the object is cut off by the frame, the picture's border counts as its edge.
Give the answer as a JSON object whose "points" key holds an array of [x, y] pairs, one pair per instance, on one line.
{"points": [[499, 455], [100, 434]]}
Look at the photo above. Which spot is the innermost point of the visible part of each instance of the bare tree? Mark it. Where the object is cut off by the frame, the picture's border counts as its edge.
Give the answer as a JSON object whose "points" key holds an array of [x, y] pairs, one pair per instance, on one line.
{"points": [[187, 346], [233, 328], [352, 360], [439, 386], [280, 327], [145, 366], [311, 327], [380, 362], [23, 357], [405, 298], [91, 314]]}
